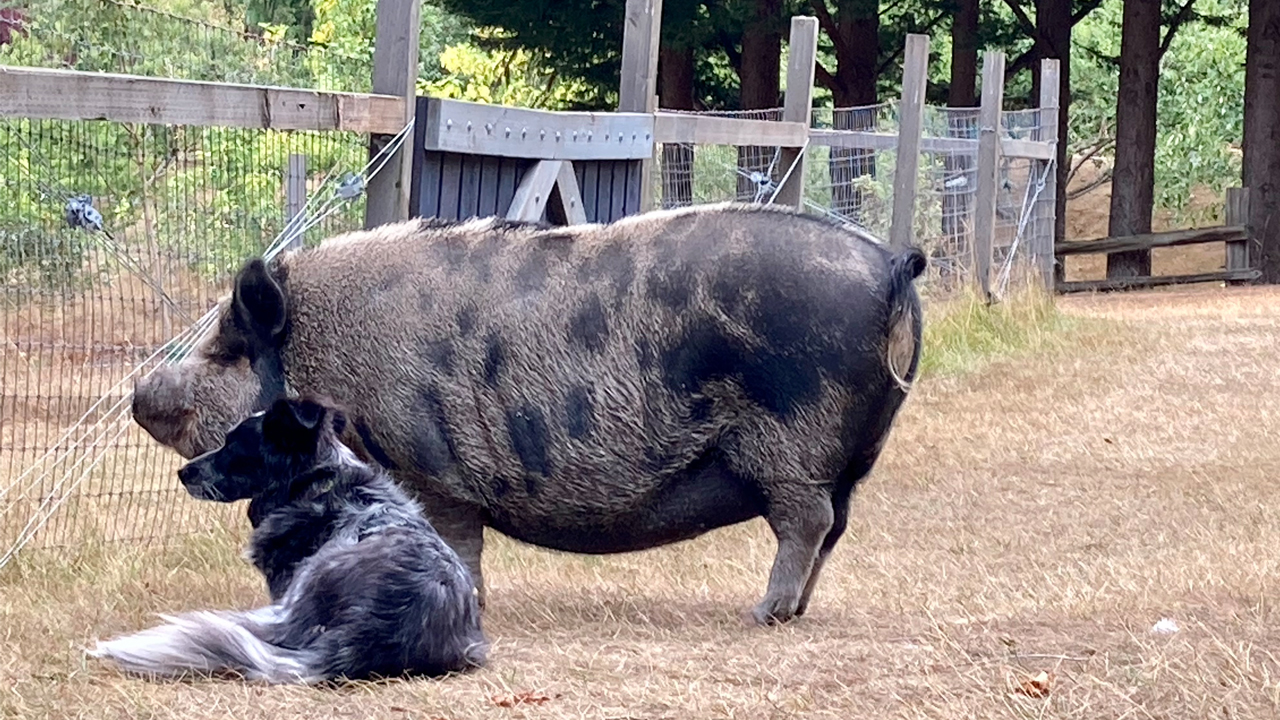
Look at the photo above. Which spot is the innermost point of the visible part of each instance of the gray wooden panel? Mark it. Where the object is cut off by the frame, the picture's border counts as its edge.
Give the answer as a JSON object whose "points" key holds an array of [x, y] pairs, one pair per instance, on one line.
{"points": [[428, 204], [587, 186], [469, 187], [508, 178], [635, 188], [580, 172], [604, 190], [618, 202], [490, 171], [450, 182]]}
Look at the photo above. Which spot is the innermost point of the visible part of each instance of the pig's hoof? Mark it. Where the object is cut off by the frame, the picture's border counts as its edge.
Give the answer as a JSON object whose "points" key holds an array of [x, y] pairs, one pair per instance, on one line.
{"points": [[774, 611]]}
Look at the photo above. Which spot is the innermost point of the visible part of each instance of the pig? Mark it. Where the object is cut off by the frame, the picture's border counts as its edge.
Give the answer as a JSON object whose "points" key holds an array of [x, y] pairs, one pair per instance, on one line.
{"points": [[591, 389]]}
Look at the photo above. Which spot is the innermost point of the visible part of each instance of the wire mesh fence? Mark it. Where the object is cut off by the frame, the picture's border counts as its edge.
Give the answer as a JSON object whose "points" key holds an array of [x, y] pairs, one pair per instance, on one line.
{"points": [[114, 239], [117, 239], [849, 176]]}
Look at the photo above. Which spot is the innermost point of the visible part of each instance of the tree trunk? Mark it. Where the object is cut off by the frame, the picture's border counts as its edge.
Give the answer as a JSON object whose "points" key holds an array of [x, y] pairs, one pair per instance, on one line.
{"points": [[1133, 180], [758, 77], [1053, 23], [964, 55], [857, 51], [958, 188], [1262, 136], [676, 92]]}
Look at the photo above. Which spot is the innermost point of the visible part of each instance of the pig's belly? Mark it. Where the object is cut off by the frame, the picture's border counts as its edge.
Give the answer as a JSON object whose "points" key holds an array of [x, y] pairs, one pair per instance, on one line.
{"points": [[701, 498]]}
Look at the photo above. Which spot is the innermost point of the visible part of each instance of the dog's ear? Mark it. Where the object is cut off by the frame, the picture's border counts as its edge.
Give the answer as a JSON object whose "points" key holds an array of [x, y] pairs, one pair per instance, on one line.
{"points": [[293, 424]]}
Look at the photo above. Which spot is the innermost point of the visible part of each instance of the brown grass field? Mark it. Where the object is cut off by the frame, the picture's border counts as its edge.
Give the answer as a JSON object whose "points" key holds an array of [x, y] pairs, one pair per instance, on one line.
{"points": [[1048, 495]]}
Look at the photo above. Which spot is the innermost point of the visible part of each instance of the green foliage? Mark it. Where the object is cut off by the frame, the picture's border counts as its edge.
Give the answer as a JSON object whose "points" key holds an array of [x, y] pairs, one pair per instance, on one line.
{"points": [[345, 29], [1200, 116], [518, 77], [210, 196]]}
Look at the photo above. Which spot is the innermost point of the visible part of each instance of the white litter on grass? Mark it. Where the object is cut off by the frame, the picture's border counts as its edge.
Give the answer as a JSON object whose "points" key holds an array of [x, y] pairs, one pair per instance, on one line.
{"points": [[1165, 627]]}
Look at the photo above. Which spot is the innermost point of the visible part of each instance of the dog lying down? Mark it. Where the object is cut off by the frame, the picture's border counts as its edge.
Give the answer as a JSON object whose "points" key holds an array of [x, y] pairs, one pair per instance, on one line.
{"points": [[361, 586]]}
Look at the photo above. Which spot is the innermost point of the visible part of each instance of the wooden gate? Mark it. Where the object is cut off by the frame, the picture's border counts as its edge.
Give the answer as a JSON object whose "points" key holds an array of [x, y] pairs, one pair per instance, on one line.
{"points": [[476, 160]]}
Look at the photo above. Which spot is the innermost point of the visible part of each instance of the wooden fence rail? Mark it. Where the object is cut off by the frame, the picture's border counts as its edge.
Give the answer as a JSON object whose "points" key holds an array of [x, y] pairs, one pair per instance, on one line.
{"points": [[43, 94], [1235, 233]]}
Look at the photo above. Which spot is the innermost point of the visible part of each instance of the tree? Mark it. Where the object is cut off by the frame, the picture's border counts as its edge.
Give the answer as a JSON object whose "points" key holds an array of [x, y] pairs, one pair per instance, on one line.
{"points": [[1133, 180], [962, 90], [1262, 133], [758, 79]]}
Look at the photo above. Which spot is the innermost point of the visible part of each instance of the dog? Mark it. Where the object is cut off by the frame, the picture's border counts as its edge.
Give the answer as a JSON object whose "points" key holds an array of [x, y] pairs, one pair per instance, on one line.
{"points": [[361, 585]]}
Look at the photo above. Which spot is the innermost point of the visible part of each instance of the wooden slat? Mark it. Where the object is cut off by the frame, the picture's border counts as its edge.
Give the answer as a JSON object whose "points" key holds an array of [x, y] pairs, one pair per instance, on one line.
{"points": [[590, 188], [44, 94], [604, 189], [640, 33], [636, 178], [395, 72], [480, 129], [984, 217], [618, 198], [798, 105], [1147, 241], [469, 187], [1046, 260], [490, 176], [508, 179], [715, 130], [1156, 281], [1238, 214], [569, 195], [867, 140], [430, 179], [450, 185], [535, 189], [1034, 149], [915, 71]]}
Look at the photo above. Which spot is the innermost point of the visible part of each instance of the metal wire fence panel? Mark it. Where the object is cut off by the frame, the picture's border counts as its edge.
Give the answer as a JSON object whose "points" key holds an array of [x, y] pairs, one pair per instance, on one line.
{"points": [[115, 239], [849, 176]]}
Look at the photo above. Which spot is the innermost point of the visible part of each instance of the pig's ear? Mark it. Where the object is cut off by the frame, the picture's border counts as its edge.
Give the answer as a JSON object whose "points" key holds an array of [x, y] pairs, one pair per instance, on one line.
{"points": [[258, 302]]}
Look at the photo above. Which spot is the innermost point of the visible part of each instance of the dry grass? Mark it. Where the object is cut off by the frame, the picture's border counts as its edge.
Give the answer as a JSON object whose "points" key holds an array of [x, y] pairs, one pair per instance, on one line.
{"points": [[1035, 513]]}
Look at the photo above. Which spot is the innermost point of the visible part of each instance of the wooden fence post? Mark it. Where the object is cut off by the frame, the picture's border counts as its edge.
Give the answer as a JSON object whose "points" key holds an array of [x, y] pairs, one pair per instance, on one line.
{"points": [[637, 91], [798, 105], [1238, 214], [395, 72], [915, 70], [1051, 267], [295, 194], [984, 211]]}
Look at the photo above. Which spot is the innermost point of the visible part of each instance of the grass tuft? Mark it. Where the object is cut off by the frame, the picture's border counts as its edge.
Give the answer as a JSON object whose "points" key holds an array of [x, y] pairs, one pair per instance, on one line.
{"points": [[963, 333]]}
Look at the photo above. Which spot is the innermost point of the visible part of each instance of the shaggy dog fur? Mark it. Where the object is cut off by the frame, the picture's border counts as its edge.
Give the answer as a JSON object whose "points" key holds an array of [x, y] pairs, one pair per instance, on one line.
{"points": [[361, 584]]}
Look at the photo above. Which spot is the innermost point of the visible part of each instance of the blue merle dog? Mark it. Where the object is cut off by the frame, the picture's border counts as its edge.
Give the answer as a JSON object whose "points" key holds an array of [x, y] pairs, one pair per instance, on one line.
{"points": [[361, 585]]}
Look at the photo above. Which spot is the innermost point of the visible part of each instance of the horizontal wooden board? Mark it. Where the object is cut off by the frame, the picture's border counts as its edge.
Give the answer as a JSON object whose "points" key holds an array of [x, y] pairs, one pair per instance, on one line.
{"points": [[1147, 241], [1156, 281], [497, 130], [40, 93], [868, 140], [715, 130]]}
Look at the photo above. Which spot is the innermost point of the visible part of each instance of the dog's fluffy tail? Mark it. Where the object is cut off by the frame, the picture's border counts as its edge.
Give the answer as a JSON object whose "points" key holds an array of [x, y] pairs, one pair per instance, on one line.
{"points": [[206, 642]]}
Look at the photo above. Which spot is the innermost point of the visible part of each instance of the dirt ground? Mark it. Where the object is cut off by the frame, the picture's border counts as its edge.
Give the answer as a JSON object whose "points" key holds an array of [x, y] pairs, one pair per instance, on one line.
{"points": [[1039, 515], [1088, 215]]}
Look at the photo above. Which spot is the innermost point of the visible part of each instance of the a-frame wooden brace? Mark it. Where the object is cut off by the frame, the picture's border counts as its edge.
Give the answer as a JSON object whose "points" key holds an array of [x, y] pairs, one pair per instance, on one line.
{"points": [[544, 181]]}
